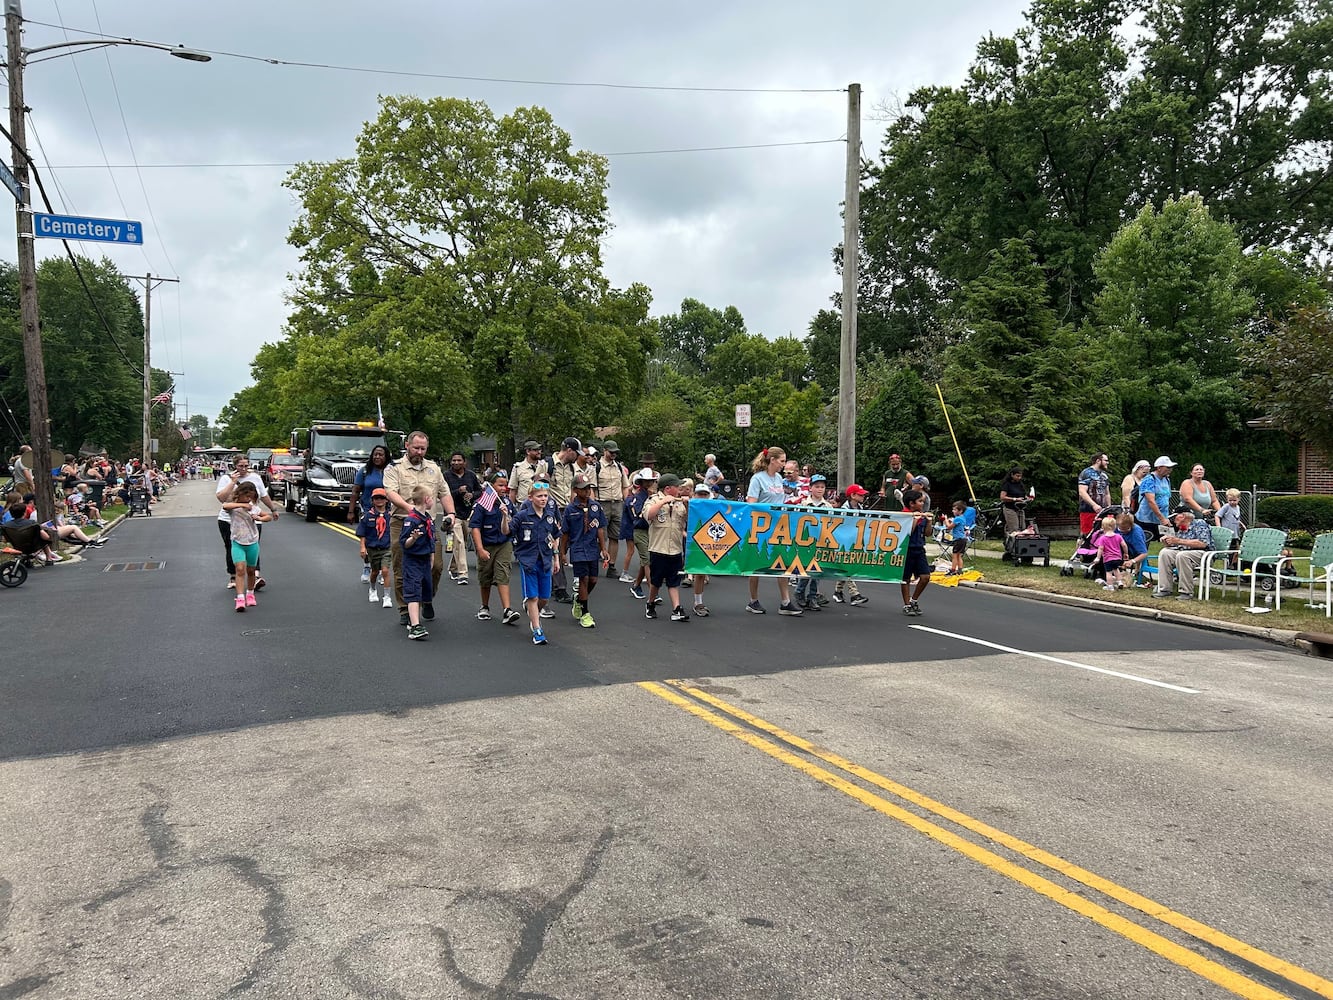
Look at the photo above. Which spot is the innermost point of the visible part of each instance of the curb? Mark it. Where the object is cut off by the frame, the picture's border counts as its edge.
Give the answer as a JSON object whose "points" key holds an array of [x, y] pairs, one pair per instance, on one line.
{"points": [[1283, 637]]}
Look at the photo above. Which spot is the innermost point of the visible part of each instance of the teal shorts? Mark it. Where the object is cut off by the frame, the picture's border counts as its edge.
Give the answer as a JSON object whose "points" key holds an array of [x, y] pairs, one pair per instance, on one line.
{"points": [[248, 554]]}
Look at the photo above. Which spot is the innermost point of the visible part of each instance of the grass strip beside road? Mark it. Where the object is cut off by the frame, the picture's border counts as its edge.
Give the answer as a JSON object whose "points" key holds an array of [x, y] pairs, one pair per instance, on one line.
{"points": [[742, 725]]}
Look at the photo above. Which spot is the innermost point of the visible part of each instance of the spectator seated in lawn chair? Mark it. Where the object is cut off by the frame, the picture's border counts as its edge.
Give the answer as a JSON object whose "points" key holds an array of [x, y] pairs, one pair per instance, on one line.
{"points": [[70, 533], [82, 510], [28, 538]]}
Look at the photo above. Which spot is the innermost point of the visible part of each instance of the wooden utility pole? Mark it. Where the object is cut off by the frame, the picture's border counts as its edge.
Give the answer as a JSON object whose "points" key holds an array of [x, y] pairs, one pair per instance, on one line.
{"points": [[850, 246], [149, 283]]}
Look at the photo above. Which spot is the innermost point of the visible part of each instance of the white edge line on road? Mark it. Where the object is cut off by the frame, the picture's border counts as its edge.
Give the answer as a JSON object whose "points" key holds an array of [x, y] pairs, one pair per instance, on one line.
{"points": [[1055, 659]]}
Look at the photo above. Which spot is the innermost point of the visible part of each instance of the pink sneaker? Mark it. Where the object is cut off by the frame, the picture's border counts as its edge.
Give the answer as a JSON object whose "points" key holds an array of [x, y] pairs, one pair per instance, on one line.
{"points": [[250, 601], [240, 603]]}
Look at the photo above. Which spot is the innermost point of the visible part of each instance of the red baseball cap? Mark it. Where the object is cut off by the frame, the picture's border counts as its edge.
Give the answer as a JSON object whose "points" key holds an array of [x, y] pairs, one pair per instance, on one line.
{"points": [[895, 455], [857, 491]]}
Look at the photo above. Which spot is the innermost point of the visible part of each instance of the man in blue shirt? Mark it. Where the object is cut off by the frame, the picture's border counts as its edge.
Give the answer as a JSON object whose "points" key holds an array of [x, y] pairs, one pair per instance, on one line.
{"points": [[1181, 553]]}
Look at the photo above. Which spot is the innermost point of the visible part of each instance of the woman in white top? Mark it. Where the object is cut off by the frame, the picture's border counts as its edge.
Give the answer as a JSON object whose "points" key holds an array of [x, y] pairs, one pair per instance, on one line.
{"points": [[766, 487]]}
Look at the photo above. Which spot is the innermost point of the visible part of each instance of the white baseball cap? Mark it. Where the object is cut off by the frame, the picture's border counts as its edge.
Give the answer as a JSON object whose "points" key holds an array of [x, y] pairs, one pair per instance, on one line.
{"points": [[1162, 460]]}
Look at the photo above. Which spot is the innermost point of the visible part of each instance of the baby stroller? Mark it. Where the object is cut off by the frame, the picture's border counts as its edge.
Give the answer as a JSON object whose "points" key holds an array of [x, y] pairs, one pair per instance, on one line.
{"points": [[1086, 552]]}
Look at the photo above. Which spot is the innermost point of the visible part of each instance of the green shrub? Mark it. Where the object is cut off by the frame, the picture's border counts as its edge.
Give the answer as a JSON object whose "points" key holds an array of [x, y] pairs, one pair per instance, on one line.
{"points": [[1299, 539], [1299, 513]]}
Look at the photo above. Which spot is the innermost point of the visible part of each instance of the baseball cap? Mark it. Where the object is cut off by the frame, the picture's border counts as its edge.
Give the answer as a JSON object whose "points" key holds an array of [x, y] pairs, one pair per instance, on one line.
{"points": [[817, 478], [895, 455], [582, 481], [702, 489], [592, 452], [379, 491], [610, 446], [668, 479], [921, 481], [645, 475], [572, 442], [1162, 460], [856, 490], [531, 445]]}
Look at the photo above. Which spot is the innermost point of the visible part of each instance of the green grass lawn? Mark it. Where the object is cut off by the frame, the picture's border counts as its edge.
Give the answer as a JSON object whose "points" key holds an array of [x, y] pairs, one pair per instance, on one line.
{"points": [[1230, 608]]}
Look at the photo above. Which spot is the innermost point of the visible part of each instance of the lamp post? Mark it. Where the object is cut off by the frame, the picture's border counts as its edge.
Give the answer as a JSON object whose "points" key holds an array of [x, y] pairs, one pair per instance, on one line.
{"points": [[17, 58]]}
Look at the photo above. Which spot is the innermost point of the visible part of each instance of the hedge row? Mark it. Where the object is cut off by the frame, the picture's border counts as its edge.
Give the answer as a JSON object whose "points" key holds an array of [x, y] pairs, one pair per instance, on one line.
{"points": [[1304, 513]]}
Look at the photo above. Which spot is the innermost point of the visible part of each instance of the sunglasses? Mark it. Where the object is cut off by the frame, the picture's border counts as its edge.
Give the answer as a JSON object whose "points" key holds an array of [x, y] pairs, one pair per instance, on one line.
{"points": [[540, 486]]}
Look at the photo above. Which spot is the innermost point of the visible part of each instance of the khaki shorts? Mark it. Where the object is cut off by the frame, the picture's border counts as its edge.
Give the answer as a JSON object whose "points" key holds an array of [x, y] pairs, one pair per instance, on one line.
{"points": [[614, 509], [378, 559], [496, 569], [641, 543]]}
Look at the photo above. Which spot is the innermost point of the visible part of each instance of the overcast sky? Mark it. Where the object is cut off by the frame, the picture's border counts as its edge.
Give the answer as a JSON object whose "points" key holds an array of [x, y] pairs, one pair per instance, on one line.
{"points": [[751, 228]]}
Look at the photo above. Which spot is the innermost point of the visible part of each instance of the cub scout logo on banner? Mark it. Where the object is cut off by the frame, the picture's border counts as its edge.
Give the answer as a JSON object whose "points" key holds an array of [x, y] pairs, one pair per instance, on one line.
{"points": [[747, 539]]}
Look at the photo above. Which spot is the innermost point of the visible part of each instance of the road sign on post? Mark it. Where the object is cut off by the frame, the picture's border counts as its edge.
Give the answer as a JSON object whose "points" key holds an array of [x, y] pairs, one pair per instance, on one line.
{"points": [[742, 414], [8, 180], [74, 227]]}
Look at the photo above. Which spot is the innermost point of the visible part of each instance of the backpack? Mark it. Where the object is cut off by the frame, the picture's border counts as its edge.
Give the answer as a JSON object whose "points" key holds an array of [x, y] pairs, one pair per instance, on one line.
{"points": [[1134, 499]]}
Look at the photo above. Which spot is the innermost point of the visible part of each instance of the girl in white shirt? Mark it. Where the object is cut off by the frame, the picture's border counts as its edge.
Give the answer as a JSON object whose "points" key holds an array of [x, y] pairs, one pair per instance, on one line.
{"points": [[766, 487]]}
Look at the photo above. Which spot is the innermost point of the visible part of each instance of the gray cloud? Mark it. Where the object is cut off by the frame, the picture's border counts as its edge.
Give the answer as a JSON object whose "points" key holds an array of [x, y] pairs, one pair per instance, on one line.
{"points": [[753, 228]]}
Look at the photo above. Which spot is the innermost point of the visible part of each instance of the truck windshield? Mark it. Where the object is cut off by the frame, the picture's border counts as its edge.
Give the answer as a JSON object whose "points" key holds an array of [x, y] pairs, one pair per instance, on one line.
{"points": [[328, 444]]}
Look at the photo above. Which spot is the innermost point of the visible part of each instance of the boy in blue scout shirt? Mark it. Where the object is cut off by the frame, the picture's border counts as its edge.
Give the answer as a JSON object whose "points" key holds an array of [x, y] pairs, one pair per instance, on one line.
{"points": [[418, 540], [373, 530], [535, 532], [583, 544]]}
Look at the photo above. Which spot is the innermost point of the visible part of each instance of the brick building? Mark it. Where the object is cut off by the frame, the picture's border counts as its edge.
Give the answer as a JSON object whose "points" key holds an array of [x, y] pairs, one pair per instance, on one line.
{"points": [[1314, 474]]}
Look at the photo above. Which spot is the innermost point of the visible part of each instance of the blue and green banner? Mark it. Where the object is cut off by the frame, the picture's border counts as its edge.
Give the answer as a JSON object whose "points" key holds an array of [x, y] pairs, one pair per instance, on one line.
{"points": [[757, 539]]}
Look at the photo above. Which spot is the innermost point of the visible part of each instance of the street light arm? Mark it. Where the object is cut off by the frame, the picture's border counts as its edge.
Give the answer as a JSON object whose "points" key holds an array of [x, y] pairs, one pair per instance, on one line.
{"points": [[179, 51]]}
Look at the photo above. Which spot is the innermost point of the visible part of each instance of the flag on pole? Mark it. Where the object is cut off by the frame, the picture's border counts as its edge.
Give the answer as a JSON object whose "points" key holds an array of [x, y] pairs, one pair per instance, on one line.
{"points": [[488, 499], [185, 433], [162, 397], [380, 409]]}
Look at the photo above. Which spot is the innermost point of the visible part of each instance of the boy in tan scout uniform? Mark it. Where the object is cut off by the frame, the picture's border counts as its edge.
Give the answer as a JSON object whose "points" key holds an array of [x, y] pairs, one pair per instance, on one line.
{"points": [[666, 515]]}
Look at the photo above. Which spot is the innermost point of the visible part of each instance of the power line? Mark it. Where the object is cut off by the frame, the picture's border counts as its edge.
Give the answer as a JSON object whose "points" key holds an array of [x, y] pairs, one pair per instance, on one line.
{"points": [[475, 79]]}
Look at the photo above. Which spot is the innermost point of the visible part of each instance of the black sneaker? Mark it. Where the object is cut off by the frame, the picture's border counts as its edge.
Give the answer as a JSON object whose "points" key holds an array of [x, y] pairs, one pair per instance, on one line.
{"points": [[650, 611], [837, 596], [679, 615], [562, 597], [611, 573], [510, 617], [428, 611], [859, 599], [790, 609], [484, 615], [907, 610], [417, 632], [755, 608], [916, 608]]}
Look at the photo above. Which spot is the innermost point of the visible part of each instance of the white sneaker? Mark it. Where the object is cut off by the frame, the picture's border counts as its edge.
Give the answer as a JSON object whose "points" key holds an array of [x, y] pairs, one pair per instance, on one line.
{"points": [[388, 601], [374, 595], [365, 574], [626, 578]]}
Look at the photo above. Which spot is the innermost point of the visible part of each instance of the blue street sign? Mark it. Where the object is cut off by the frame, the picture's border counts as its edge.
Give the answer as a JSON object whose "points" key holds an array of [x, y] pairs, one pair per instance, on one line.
{"points": [[73, 227], [8, 180]]}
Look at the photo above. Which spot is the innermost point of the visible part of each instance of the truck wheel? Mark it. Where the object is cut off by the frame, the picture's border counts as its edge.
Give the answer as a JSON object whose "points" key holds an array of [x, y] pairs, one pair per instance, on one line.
{"points": [[311, 514]]}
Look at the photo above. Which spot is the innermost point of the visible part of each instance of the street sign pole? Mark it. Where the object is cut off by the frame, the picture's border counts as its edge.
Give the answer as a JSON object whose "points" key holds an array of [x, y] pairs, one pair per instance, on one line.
{"points": [[743, 415]]}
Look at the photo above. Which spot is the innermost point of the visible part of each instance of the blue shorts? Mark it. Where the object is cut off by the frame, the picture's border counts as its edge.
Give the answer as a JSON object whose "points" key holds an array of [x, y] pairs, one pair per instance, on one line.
{"points": [[584, 567], [916, 565], [535, 584], [418, 587], [248, 554]]}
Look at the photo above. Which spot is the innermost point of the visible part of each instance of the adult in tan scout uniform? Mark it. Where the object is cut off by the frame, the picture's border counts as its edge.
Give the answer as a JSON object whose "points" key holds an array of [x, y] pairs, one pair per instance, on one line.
{"points": [[400, 478], [612, 485], [527, 471], [563, 470]]}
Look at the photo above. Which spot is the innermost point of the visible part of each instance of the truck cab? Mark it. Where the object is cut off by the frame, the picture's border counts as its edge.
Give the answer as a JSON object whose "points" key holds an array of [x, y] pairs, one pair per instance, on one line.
{"points": [[332, 452]]}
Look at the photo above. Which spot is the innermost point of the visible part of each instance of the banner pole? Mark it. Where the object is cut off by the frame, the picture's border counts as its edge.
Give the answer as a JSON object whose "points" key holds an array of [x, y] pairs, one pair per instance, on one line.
{"points": [[959, 451]]}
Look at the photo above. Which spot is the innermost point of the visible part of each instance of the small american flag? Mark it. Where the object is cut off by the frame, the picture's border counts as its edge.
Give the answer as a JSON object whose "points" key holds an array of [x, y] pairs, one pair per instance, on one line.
{"points": [[162, 397], [488, 499], [185, 432]]}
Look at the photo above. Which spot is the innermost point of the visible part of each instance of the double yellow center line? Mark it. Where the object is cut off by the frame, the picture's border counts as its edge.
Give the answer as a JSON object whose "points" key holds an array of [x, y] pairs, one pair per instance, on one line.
{"points": [[783, 746]]}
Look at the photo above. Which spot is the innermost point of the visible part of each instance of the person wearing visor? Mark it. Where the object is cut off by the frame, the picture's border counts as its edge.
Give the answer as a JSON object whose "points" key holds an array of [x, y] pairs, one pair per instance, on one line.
{"points": [[536, 531]]}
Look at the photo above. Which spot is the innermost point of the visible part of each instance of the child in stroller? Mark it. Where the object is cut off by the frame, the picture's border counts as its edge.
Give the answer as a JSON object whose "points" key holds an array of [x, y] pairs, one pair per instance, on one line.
{"points": [[1087, 555]]}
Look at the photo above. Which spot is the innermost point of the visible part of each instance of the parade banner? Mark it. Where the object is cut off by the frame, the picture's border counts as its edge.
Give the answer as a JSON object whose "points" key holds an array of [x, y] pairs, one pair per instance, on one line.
{"points": [[757, 539]]}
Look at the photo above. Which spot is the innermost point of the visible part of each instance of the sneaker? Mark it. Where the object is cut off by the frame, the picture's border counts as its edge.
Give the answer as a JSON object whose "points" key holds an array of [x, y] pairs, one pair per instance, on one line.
{"points": [[656, 602], [586, 621], [636, 593], [417, 632], [701, 611], [909, 610], [755, 608], [577, 610], [679, 615], [97, 543], [916, 608], [610, 572], [1184, 597], [388, 601], [821, 600], [260, 583], [650, 611], [510, 617], [231, 584], [55, 557], [837, 596], [1161, 593], [859, 599], [374, 595], [562, 597], [453, 577], [403, 620], [250, 601], [790, 609], [687, 581], [428, 611], [545, 613], [484, 615], [461, 581], [365, 574], [626, 578], [538, 638], [240, 602]]}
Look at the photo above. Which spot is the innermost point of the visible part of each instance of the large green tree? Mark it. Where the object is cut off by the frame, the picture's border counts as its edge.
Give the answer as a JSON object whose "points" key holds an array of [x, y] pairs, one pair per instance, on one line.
{"points": [[1295, 384], [452, 268]]}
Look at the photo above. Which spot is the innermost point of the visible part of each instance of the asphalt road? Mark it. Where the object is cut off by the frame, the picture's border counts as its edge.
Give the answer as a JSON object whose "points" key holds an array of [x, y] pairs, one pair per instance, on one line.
{"points": [[1002, 798]]}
